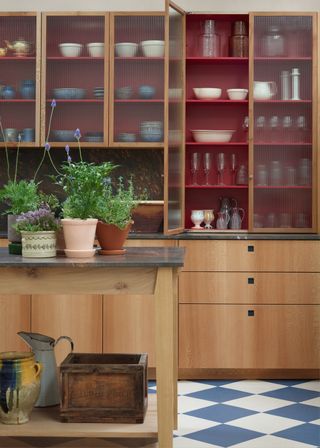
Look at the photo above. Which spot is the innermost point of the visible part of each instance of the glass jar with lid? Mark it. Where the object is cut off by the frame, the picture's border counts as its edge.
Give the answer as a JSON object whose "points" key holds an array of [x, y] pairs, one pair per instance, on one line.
{"points": [[273, 42], [239, 45], [209, 43]]}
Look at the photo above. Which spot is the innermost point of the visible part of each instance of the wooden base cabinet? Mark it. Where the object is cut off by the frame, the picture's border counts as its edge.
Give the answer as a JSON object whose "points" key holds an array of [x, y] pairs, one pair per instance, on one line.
{"points": [[14, 317], [250, 305]]}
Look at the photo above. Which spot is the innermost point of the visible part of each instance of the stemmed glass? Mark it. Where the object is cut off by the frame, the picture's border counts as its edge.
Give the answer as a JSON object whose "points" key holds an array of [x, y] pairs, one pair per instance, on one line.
{"points": [[245, 126], [233, 168], [220, 167], [208, 218], [207, 162], [195, 166]]}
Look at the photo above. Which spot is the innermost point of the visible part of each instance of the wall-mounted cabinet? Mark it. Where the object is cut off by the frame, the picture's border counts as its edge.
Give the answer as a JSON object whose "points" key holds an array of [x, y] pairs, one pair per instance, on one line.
{"points": [[20, 36], [75, 73]]}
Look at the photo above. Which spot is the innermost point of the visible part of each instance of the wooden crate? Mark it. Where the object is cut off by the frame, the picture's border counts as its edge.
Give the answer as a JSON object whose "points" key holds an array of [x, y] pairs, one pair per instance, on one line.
{"points": [[104, 388]]}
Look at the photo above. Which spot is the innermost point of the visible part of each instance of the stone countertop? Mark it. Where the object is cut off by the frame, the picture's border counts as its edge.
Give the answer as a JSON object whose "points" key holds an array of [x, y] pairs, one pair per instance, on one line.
{"points": [[135, 257]]}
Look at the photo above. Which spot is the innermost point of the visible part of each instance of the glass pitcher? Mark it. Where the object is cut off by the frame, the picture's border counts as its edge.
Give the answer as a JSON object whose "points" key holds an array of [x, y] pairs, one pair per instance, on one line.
{"points": [[223, 220], [237, 217]]}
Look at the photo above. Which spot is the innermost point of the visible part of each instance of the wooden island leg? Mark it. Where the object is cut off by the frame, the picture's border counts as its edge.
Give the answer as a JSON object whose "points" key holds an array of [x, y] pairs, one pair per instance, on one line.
{"points": [[165, 368]]}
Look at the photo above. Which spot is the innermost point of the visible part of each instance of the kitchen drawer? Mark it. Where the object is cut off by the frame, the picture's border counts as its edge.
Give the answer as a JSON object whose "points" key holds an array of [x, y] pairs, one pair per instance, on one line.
{"points": [[242, 336], [244, 256], [150, 243], [249, 287]]}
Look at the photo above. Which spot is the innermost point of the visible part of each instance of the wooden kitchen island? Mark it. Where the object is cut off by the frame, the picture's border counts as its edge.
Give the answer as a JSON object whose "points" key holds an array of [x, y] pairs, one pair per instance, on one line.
{"points": [[139, 271]]}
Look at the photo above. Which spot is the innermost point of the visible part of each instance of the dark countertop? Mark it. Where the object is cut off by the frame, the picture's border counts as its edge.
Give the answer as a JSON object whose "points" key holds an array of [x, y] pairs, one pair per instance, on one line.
{"points": [[135, 257]]}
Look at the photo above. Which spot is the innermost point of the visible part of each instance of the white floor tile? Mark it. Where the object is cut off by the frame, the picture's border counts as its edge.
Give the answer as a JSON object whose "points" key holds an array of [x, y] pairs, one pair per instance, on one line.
{"points": [[316, 422], [188, 387], [259, 403], [182, 442], [309, 385], [253, 387], [265, 423], [272, 442], [312, 402], [187, 404], [188, 424]]}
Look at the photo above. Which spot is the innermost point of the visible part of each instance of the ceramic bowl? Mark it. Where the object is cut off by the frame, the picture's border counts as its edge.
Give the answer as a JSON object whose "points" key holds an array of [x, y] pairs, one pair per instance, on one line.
{"points": [[124, 93], [96, 49], [70, 50], [237, 94], [152, 48], [68, 93], [10, 134], [146, 92], [126, 137], [212, 136], [126, 49], [63, 135], [207, 93]]}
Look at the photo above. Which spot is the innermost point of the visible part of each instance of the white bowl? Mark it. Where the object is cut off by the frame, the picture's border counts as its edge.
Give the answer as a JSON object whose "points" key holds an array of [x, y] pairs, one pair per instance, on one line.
{"points": [[212, 136], [126, 49], [207, 93], [70, 50], [237, 94], [96, 49], [152, 48]]}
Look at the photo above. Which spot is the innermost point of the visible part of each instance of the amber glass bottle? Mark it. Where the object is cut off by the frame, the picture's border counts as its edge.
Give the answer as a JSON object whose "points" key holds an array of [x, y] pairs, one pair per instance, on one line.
{"points": [[239, 45]]}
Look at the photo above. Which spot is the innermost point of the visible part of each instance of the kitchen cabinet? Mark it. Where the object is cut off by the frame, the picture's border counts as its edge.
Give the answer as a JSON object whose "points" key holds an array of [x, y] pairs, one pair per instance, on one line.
{"points": [[75, 74], [20, 78], [249, 306], [15, 316]]}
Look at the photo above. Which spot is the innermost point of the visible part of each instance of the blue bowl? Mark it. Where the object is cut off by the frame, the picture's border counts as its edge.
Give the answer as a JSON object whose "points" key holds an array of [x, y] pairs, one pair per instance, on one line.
{"points": [[146, 92], [68, 93], [126, 137], [63, 135]]}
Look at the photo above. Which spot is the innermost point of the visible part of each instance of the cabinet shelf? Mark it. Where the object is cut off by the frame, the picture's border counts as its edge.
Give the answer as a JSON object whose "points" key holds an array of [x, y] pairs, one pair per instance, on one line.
{"points": [[283, 59], [226, 59], [138, 58], [282, 144], [15, 58], [283, 101], [194, 101], [283, 187], [17, 101], [77, 101], [200, 187], [140, 101], [78, 58], [217, 144]]}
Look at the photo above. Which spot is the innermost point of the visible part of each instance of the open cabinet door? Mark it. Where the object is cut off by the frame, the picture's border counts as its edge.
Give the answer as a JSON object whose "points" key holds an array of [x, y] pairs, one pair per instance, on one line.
{"points": [[174, 148]]}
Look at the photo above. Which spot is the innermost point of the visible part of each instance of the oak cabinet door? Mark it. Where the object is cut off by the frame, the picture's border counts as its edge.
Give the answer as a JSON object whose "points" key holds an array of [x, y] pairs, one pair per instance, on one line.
{"points": [[14, 317]]}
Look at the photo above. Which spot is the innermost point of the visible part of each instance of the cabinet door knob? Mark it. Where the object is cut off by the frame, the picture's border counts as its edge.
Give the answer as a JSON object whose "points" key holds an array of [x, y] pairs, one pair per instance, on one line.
{"points": [[250, 248], [250, 313], [250, 281]]}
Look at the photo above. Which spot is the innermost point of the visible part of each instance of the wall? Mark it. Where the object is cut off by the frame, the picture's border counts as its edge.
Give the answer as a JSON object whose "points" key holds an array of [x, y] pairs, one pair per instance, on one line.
{"points": [[158, 5]]}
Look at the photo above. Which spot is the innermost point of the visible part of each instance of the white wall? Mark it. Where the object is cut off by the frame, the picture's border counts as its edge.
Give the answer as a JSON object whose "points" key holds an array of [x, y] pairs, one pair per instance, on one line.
{"points": [[158, 5]]}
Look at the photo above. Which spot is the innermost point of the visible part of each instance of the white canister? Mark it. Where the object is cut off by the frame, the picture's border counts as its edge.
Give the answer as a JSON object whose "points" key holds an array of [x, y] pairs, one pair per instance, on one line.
{"points": [[39, 244]]}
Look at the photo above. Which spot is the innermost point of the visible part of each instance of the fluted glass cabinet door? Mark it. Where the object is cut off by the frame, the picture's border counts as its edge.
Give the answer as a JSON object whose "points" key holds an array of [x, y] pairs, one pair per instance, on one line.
{"points": [[174, 149], [74, 73], [19, 85], [283, 83], [137, 50]]}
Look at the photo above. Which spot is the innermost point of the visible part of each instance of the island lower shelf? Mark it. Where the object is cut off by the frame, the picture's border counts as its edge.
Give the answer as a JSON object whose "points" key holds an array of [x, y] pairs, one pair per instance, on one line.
{"points": [[45, 422]]}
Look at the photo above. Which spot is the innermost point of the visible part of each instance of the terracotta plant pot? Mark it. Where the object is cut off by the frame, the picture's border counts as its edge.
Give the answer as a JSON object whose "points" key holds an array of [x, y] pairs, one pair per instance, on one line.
{"points": [[111, 238], [79, 237]]}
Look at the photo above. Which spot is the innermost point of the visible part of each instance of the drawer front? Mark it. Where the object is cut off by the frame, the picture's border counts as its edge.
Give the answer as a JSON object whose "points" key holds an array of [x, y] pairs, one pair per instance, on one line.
{"points": [[241, 336], [150, 243], [244, 256], [254, 287]]}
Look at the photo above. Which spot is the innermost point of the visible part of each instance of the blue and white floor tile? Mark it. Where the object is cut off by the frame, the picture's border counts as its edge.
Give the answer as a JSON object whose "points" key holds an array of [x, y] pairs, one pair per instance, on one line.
{"points": [[248, 414]]}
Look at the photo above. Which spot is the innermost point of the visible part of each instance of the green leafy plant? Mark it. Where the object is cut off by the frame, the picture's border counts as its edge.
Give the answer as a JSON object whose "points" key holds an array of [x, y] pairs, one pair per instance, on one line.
{"points": [[20, 196], [85, 185], [38, 220], [118, 205]]}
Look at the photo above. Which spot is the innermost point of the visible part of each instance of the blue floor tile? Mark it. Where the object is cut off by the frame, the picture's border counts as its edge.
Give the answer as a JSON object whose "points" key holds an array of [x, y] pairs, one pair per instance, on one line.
{"points": [[292, 394], [221, 413], [306, 433], [302, 412], [288, 382], [218, 394], [224, 435], [216, 383]]}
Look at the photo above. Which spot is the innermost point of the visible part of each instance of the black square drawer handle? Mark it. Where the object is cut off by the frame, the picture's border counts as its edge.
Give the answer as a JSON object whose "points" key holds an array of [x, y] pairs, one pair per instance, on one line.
{"points": [[250, 248], [250, 281], [250, 313]]}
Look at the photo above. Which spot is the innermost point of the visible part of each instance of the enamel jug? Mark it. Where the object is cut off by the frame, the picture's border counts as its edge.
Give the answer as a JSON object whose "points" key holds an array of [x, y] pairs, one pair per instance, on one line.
{"points": [[43, 348], [264, 90]]}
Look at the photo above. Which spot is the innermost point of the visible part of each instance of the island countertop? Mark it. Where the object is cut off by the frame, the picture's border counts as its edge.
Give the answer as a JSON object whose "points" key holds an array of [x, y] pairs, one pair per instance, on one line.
{"points": [[135, 257]]}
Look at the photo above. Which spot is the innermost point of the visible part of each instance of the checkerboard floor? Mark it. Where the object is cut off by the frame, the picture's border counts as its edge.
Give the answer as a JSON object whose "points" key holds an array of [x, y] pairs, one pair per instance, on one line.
{"points": [[247, 414]]}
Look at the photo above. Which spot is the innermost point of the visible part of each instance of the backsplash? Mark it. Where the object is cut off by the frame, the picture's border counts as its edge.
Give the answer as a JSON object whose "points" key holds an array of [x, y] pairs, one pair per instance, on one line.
{"points": [[144, 166]]}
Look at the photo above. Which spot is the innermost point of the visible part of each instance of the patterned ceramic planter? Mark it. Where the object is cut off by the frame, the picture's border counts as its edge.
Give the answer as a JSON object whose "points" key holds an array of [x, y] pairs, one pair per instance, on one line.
{"points": [[19, 386], [38, 244]]}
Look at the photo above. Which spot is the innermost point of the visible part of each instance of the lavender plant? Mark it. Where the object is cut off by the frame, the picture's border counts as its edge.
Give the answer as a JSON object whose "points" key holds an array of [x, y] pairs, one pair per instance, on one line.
{"points": [[38, 220]]}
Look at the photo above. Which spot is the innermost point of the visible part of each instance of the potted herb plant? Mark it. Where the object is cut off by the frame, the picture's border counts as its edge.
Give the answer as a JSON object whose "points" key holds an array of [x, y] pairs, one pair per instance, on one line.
{"points": [[115, 217], [38, 230], [85, 187]]}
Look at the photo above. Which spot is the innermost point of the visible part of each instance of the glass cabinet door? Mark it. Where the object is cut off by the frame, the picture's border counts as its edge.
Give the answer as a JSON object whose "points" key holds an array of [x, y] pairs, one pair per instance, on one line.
{"points": [[19, 85], [283, 86], [137, 80], [75, 75]]}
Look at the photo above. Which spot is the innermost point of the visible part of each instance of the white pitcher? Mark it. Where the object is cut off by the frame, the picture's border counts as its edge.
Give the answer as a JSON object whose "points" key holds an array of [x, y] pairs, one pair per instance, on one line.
{"points": [[264, 90]]}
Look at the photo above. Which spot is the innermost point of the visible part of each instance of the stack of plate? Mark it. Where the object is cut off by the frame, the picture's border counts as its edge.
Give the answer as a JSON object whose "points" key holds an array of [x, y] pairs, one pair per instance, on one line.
{"points": [[98, 92], [93, 137]]}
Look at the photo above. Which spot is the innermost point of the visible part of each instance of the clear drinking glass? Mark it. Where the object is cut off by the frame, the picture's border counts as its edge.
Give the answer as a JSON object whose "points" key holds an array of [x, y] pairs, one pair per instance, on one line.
{"points": [[195, 166], [245, 127], [274, 128], [207, 164], [209, 40], [220, 167], [208, 218], [233, 168]]}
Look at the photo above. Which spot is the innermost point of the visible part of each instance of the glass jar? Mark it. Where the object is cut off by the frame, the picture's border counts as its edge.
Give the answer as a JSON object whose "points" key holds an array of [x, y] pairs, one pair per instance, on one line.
{"points": [[239, 45], [209, 44], [273, 43]]}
